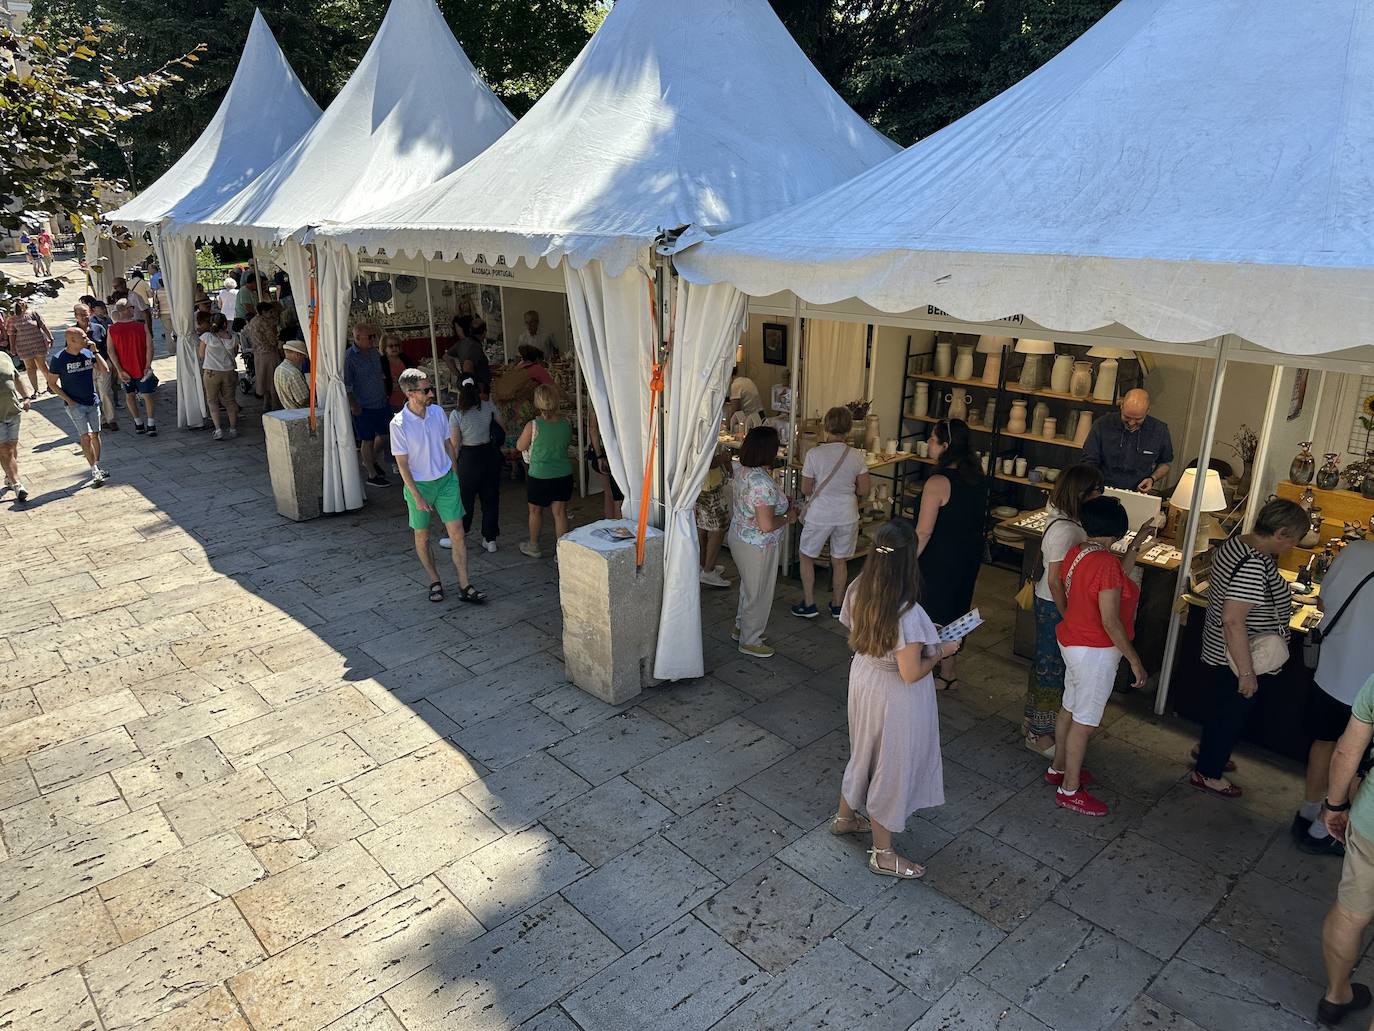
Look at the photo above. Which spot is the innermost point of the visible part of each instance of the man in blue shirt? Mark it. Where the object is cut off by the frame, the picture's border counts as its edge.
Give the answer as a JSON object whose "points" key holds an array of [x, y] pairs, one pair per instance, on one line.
{"points": [[1133, 449], [71, 376], [368, 399]]}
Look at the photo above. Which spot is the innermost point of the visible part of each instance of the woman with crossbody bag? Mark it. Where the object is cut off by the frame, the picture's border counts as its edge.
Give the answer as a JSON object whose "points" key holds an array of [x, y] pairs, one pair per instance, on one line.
{"points": [[834, 476], [1063, 530], [1245, 635]]}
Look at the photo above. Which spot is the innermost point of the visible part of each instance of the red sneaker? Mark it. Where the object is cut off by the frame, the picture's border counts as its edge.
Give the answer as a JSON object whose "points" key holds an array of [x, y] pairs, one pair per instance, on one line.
{"points": [[1081, 802], [1085, 778]]}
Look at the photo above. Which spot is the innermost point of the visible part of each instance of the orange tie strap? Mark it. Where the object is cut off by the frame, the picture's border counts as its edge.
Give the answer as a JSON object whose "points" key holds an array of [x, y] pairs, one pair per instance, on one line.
{"points": [[656, 382], [314, 338]]}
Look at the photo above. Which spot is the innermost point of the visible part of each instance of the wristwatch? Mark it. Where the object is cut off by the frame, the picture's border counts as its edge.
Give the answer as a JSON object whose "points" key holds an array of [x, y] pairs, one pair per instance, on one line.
{"points": [[1342, 808]]}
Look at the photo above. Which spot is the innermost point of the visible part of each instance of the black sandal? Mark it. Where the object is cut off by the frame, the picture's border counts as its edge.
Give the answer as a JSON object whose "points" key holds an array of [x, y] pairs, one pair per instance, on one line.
{"points": [[472, 595], [436, 591]]}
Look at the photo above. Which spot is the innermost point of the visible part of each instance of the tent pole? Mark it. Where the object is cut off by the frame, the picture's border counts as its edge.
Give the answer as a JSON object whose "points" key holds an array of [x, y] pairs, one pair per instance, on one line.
{"points": [[1255, 499], [665, 330], [793, 376], [433, 337], [1204, 459], [582, 436]]}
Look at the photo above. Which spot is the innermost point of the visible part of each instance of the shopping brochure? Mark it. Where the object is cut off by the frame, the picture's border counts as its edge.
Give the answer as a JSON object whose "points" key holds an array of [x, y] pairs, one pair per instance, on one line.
{"points": [[961, 627]]}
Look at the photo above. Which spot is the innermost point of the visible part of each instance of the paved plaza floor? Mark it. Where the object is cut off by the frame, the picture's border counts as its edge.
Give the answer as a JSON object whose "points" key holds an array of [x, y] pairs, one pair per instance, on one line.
{"points": [[251, 778]]}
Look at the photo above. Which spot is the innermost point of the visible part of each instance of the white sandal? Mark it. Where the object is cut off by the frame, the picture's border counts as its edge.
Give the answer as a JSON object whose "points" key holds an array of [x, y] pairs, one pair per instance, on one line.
{"points": [[861, 824], [906, 873]]}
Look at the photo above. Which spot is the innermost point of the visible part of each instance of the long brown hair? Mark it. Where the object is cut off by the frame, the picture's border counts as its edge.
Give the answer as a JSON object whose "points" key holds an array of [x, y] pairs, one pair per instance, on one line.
{"points": [[889, 585], [1075, 485]]}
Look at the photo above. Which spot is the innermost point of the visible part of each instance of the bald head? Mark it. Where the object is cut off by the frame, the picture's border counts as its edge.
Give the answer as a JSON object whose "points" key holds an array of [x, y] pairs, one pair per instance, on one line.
{"points": [[1135, 405]]}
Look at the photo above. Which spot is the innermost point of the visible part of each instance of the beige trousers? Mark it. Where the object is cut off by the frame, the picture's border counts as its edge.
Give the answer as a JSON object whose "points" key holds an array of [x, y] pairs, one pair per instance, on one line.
{"points": [[758, 577]]}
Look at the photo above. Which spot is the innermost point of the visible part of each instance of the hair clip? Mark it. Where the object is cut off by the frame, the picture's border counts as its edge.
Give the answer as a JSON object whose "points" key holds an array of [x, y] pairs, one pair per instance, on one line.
{"points": [[884, 549], [467, 381]]}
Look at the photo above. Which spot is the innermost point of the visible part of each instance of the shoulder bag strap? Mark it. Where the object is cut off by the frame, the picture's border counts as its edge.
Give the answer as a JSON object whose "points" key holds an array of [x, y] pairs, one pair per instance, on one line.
{"points": [[1083, 553], [831, 475], [1326, 630]]}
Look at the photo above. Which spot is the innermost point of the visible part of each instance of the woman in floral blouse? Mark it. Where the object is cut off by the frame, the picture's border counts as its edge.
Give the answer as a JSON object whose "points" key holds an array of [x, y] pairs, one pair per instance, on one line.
{"points": [[761, 516]]}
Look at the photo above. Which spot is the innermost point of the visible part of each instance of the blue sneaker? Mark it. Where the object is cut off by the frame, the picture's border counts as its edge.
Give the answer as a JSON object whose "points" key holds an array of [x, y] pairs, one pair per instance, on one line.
{"points": [[835, 610], [805, 611]]}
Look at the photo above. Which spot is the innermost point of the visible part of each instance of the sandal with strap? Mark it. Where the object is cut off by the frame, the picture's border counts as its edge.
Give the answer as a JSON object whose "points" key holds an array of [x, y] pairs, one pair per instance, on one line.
{"points": [[860, 825], [472, 595], [436, 591], [1198, 781], [951, 684], [906, 873]]}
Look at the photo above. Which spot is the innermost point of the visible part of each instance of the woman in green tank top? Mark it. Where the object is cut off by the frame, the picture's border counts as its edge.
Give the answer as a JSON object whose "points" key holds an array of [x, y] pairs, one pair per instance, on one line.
{"points": [[549, 484]]}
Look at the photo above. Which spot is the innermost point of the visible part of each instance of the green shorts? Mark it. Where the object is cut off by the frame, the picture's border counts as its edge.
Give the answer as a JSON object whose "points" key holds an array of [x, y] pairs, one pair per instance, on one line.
{"points": [[442, 494]]}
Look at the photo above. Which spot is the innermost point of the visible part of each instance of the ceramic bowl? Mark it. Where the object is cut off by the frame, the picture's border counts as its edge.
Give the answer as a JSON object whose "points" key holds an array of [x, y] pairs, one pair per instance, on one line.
{"points": [[1051, 475], [1005, 512]]}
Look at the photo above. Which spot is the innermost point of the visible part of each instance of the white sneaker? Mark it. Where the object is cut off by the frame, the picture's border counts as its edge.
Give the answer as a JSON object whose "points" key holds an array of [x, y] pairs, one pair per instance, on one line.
{"points": [[20, 491], [97, 476], [217, 435], [529, 550], [718, 569], [713, 579], [444, 542], [233, 433], [490, 546]]}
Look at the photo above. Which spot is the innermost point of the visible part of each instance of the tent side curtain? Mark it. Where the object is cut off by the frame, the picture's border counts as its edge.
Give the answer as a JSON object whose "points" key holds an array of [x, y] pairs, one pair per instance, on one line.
{"points": [[707, 326], [613, 334], [335, 268], [178, 261]]}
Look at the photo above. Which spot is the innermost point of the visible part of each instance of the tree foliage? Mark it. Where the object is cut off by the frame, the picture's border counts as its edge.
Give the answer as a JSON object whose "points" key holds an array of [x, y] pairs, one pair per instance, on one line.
{"points": [[519, 47], [62, 103]]}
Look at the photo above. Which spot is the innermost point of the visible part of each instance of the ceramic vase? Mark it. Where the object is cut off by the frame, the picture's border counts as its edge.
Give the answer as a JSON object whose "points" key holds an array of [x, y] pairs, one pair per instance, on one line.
{"points": [[871, 432], [958, 405], [1085, 423], [944, 358], [1314, 530], [990, 413], [1105, 388], [921, 406], [1329, 475], [963, 363], [1050, 427], [1021, 465], [992, 369], [1030, 373], [1062, 373], [1081, 382], [1016, 423], [1039, 414], [1304, 465]]}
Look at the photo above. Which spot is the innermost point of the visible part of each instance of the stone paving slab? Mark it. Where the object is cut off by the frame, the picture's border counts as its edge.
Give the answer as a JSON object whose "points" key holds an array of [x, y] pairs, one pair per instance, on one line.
{"points": [[608, 820]]}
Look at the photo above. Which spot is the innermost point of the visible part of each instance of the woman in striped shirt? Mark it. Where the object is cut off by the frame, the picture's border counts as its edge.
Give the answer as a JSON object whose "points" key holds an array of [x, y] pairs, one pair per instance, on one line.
{"points": [[1247, 599]]}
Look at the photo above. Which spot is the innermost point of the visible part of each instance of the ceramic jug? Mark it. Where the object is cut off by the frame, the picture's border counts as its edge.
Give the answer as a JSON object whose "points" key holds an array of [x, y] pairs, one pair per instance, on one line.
{"points": [[1304, 465], [1081, 383], [1330, 474], [958, 405], [1105, 388], [1062, 373], [922, 403], [872, 431]]}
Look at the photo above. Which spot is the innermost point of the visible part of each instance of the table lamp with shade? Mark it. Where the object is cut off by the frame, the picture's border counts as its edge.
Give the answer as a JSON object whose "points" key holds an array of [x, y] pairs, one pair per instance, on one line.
{"points": [[1034, 350], [992, 347], [1104, 387], [1181, 501]]}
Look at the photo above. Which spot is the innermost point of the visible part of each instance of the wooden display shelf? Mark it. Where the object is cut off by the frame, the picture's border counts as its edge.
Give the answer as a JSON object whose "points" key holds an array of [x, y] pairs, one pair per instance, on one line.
{"points": [[930, 377], [1338, 506], [1008, 478], [1054, 395], [1041, 439]]}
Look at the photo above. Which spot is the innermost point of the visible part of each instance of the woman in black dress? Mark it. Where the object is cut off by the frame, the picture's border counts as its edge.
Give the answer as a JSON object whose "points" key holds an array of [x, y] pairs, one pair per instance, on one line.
{"points": [[949, 531]]}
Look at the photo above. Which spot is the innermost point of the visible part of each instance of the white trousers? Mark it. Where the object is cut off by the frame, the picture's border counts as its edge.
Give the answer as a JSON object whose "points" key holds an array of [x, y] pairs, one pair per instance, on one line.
{"points": [[758, 578]]}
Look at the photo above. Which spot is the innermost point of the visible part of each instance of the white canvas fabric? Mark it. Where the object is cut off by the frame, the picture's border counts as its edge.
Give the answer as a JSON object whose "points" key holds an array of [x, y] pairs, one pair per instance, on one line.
{"points": [[704, 114], [414, 110], [264, 112], [177, 259], [708, 321], [101, 280], [335, 269], [1185, 169]]}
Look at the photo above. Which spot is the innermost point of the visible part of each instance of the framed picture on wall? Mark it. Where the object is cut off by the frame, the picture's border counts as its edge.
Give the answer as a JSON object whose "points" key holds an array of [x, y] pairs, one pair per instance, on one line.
{"points": [[774, 343]]}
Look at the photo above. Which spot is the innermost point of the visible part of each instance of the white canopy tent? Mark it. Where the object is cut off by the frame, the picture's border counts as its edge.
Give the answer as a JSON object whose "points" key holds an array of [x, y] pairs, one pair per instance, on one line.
{"points": [[233, 150], [705, 116], [1193, 172], [413, 111]]}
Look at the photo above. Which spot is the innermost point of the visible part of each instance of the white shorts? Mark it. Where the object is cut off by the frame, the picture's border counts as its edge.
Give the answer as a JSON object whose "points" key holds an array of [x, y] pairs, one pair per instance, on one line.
{"points": [[842, 539], [1089, 674]]}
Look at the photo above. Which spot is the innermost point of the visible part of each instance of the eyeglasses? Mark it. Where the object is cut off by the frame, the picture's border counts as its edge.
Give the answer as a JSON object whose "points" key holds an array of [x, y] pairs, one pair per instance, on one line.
{"points": [[421, 390]]}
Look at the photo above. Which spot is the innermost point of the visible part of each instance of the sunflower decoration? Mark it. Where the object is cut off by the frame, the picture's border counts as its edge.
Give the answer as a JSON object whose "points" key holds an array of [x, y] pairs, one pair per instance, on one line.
{"points": [[1367, 413]]}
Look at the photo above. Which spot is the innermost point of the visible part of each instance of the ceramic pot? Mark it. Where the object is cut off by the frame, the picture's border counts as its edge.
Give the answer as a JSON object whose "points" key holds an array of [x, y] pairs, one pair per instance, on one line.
{"points": [[1081, 383], [1314, 530], [923, 448], [958, 405], [1105, 388], [963, 364], [1085, 423], [983, 459], [1367, 487], [1329, 475], [1007, 466], [990, 413], [1304, 465], [872, 432], [1062, 373], [1039, 414], [1016, 423], [992, 369], [922, 403], [1050, 427], [944, 358], [1030, 372], [1021, 466]]}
